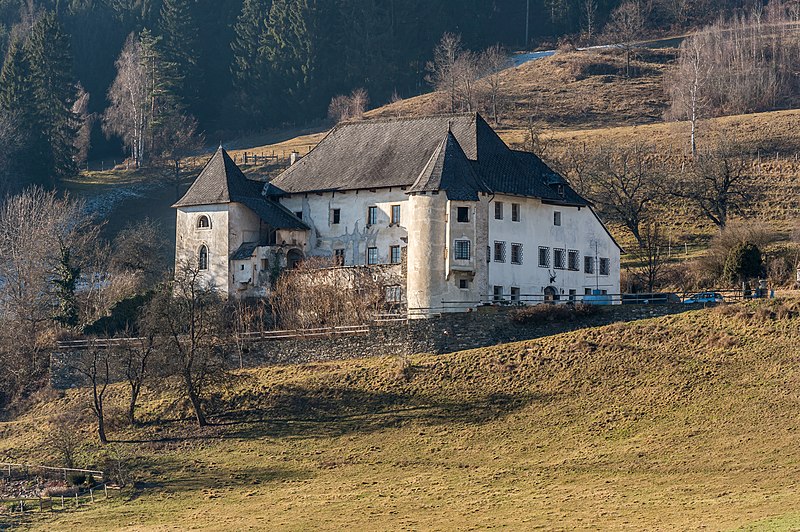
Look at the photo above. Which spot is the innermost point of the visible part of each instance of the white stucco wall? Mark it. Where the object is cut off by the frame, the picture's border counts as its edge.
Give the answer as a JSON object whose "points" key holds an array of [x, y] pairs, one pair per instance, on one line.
{"points": [[579, 230], [352, 233], [189, 239]]}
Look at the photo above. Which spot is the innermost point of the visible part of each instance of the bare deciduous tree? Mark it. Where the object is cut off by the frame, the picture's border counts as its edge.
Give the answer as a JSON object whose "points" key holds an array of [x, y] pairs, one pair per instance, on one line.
{"points": [[134, 358], [717, 183], [589, 13], [650, 258], [185, 316], [687, 84], [493, 61], [95, 364], [84, 121], [625, 28], [442, 71], [127, 116], [344, 107]]}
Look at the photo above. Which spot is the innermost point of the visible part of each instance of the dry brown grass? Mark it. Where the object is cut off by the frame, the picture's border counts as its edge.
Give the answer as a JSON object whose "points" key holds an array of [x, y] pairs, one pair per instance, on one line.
{"points": [[673, 423]]}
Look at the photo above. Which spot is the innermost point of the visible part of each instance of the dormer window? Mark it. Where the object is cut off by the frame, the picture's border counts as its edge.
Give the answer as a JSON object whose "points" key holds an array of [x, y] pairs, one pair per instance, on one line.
{"points": [[203, 222]]}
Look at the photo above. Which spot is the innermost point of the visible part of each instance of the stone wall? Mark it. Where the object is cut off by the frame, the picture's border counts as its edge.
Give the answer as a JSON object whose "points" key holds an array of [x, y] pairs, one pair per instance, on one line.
{"points": [[446, 334], [449, 333]]}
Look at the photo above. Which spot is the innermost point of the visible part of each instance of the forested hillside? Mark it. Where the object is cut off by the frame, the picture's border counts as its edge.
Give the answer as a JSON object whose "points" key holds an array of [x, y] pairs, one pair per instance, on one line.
{"points": [[244, 65]]}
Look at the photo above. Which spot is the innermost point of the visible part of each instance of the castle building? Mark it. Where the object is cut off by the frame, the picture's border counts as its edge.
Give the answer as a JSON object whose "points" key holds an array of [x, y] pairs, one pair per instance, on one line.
{"points": [[467, 219]]}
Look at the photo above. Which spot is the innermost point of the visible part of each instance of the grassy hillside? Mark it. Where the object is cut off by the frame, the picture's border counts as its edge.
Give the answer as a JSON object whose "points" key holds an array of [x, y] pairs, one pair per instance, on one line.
{"points": [[681, 422]]}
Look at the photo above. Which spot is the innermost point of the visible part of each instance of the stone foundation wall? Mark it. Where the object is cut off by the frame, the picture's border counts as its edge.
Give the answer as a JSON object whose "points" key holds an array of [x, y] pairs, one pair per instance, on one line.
{"points": [[446, 334]]}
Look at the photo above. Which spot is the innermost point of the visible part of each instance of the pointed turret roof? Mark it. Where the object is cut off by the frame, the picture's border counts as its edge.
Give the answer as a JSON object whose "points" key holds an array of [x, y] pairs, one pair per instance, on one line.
{"points": [[450, 170], [222, 181]]}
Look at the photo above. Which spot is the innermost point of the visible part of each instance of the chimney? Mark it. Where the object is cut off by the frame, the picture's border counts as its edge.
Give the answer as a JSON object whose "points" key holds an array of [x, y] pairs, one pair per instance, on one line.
{"points": [[294, 157]]}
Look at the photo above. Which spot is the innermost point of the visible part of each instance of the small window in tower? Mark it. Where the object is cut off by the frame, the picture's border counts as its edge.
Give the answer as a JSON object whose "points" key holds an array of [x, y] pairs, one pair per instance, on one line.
{"points": [[202, 258], [203, 222], [463, 284], [463, 214]]}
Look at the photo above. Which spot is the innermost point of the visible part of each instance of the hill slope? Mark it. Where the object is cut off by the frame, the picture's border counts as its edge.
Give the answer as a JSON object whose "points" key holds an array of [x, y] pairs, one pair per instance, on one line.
{"points": [[680, 422]]}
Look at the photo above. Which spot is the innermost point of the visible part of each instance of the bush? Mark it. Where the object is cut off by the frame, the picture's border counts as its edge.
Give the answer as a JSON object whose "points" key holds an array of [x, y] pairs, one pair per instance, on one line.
{"points": [[544, 313], [743, 262], [78, 479]]}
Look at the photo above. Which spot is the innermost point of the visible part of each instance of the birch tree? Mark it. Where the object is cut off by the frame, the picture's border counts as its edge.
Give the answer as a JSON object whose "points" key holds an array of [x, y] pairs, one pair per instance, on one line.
{"points": [[127, 116], [687, 85]]}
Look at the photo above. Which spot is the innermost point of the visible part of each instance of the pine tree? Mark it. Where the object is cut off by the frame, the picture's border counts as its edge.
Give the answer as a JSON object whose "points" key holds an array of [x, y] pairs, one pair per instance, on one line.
{"points": [[178, 47], [66, 278], [248, 68], [15, 82], [54, 92]]}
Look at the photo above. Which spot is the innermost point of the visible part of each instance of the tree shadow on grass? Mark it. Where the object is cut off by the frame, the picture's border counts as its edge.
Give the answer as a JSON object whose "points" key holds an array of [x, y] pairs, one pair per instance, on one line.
{"points": [[312, 413]]}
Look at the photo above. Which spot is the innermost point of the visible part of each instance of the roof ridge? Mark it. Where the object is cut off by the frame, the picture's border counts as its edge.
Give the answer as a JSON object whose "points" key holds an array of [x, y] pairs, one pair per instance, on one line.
{"points": [[389, 119]]}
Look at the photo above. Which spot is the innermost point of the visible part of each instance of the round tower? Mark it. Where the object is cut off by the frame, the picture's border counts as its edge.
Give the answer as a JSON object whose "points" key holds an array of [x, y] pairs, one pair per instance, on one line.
{"points": [[426, 253]]}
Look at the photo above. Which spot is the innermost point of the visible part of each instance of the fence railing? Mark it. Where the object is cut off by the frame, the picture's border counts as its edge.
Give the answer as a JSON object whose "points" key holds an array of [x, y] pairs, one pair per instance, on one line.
{"points": [[9, 470]]}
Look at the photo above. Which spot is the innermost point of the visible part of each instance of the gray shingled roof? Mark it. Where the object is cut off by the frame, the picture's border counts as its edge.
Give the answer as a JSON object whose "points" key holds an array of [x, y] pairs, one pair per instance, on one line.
{"points": [[449, 170], [558, 185], [221, 181], [395, 152], [245, 251]]}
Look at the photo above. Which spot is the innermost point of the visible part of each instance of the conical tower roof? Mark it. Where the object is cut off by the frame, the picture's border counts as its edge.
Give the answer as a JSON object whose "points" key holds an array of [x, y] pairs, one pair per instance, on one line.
{"points": [[221, 181], [450, 170]]}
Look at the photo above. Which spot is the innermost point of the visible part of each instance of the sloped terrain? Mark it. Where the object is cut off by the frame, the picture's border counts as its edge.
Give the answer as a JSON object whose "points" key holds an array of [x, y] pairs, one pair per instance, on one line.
{"points": [[681, 422]]}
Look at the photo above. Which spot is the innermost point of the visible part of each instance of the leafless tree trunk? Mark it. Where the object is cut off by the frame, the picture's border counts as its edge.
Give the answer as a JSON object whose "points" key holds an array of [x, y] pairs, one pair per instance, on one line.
{"points": [[650, 258], [95, 364], [625, 28], [442, 71], [128, 114], [688, 84], [589, 8], [492, 62]]}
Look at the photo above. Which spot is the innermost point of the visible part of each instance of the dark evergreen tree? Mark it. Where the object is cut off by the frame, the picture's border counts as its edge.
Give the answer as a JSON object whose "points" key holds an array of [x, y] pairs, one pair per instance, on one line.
{"points": [[54, 92], [65, 281], [178, 46], [15, 82]]}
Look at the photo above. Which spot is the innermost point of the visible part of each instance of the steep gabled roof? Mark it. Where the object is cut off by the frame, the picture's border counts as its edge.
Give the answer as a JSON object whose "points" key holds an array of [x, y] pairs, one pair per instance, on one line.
{"points": [[558, 185], [449, 170], [395, 152], [221, 181]]}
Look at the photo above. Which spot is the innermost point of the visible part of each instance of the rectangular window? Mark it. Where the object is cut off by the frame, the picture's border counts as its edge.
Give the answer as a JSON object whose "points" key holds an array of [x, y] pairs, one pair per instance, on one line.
{"points": [[515, 207], [463, 214], [372, 215], [498, 210], [515, 294], [372, 255], [573, 261], [572, 294], [605, 267], [338, 257], [587, 291], [498, 293], [516, 253], [336, 216], [559, 259], [499, 251], [394, 294], [463, 250], [557, 218], [463, 284], [588, 265], [394, 252], [544, 257], [396, 214]]}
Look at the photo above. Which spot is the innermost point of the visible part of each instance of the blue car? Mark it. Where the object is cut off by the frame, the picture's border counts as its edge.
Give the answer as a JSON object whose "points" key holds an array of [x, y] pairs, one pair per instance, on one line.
{"points": [[704, 297]]}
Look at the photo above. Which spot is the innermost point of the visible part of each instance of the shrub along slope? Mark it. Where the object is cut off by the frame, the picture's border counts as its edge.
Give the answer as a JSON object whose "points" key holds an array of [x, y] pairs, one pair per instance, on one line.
{"points": [[676, 422]]}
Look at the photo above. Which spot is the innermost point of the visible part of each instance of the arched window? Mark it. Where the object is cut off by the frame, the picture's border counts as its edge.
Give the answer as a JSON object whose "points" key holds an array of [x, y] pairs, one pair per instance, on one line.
{"points": [[203, 222], [202, 259]]}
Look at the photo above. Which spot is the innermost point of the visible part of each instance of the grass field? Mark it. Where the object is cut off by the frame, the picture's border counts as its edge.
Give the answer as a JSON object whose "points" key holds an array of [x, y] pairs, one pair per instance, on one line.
{"points": [[683, 422]]}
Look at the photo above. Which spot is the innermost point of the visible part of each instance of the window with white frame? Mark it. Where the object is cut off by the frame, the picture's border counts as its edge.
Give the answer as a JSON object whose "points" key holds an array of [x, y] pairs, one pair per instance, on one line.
{"points": [[462, 250], [544, 257], [515, 212], [559, 259], [573, 261], [498, 210], [372, 215], [499, 251], [372, 256], [395, 214], [516, 253], [394, 254]]}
